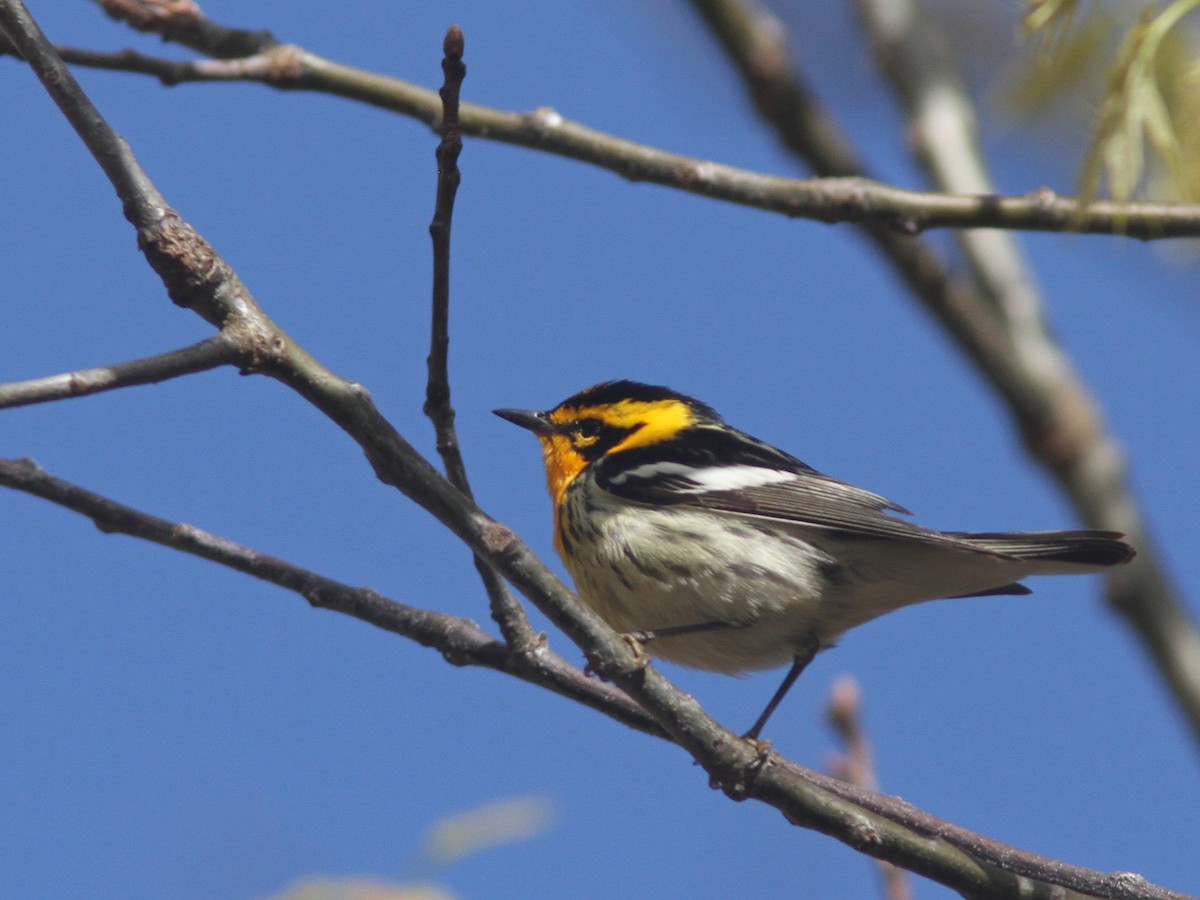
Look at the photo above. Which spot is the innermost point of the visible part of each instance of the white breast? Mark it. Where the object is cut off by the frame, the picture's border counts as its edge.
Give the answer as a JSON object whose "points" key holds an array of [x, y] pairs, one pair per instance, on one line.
{"points": [[653, 569]]}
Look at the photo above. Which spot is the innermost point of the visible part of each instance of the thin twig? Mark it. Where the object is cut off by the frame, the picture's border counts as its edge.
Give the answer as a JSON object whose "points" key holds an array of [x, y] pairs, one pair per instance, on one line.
{"points": [[459, 640], [826, 199], [857, 767], [437, 389], [506, 611], [1063, 428], [210, 353], [1054, 413]]}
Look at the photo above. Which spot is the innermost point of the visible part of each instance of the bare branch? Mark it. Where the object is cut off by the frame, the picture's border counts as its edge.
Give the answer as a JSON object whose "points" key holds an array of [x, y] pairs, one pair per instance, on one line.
{"points": [[1060, 420], [210, 353], [826, 199], [459, 640]]}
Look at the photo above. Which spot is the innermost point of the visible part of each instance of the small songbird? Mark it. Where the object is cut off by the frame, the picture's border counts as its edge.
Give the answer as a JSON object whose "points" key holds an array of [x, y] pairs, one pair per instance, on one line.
{"points": [[721, 552]]}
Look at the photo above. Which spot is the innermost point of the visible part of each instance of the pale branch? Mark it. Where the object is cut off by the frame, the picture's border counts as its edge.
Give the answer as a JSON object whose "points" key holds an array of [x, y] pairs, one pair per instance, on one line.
{"points": [[917, 64], [459, 640], [856, 766], [506, 610], [941, 128], [825, 199], [881, 826], [210, 353], [1052, 410], [197, 279]]}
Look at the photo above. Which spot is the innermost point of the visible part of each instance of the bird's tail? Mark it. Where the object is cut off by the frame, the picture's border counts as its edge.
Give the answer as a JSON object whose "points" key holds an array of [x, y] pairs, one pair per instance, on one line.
{"points": [[1057, 552]]}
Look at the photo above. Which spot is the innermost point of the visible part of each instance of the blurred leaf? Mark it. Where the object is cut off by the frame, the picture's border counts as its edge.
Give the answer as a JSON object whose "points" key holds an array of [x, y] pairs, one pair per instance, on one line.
{"points": [[1179, 78], [361, 889], [1050, 19], [1146, 134], [1134, 111], [1074, 60], [502, 822]]}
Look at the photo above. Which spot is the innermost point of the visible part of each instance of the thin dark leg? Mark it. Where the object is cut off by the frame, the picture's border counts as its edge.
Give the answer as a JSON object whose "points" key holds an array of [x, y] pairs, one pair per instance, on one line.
{"points": [[804, 656]]}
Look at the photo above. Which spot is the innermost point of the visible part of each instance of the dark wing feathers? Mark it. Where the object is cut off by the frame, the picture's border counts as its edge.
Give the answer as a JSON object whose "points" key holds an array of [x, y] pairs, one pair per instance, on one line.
{"points": [[737, 474], [704, 472], [807, 499]]}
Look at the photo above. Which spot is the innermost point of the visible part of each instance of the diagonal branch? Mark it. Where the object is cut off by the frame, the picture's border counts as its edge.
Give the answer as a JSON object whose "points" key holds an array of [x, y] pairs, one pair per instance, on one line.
{"points": [[884, 827], [210, 353], [1087, 461], [459, 640], [1055, 414]]}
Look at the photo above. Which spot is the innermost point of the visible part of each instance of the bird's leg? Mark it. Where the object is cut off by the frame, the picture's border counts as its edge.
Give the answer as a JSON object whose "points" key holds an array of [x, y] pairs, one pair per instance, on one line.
{"points": [[804, 655]]}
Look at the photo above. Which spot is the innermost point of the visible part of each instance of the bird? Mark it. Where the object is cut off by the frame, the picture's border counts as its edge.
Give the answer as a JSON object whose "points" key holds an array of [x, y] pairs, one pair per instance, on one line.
{"points": [[717, 551]]}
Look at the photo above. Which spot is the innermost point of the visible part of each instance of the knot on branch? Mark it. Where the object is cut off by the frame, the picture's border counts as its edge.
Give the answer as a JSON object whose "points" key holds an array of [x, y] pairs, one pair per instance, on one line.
{"points": [[863, 834], [1127, 884], [543, 120], [499, 539], [189, 267], [283, 64], [258, 343]]}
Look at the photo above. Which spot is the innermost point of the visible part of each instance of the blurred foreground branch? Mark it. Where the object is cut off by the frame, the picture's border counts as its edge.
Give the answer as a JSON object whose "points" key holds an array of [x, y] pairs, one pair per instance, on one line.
{"points": [[856, 766], [995, 317]]}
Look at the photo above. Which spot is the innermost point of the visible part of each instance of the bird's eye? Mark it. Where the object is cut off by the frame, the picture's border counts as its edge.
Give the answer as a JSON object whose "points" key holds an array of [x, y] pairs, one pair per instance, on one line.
{"points": [[588, 429]]}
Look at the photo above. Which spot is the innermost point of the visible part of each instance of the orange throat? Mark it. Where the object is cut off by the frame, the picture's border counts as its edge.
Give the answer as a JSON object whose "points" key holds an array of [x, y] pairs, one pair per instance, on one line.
{"points": [[563, 465]]}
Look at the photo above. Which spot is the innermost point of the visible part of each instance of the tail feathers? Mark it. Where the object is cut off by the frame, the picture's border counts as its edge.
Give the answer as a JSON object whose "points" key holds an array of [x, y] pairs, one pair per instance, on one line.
{"points": [[1058, 551]]}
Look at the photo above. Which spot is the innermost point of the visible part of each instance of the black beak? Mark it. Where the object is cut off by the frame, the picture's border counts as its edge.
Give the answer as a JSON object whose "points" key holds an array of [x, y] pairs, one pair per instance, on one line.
{"points": [[528, 418]]}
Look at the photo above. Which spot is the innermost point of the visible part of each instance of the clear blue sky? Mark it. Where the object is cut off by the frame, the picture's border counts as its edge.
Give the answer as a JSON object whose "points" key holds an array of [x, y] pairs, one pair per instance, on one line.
{"points": [[173, 729]]}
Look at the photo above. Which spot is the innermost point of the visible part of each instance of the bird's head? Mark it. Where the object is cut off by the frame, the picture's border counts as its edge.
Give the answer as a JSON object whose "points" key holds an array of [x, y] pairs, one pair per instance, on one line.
{"points": [[604, 420]]}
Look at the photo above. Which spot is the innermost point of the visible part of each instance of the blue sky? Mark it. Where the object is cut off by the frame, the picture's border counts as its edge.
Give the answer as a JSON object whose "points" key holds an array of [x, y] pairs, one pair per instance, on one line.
{"points": [[174, 729]]}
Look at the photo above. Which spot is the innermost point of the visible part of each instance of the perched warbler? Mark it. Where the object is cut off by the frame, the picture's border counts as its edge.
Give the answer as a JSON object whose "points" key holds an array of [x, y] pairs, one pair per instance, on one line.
{"points": [[721, 552]]}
